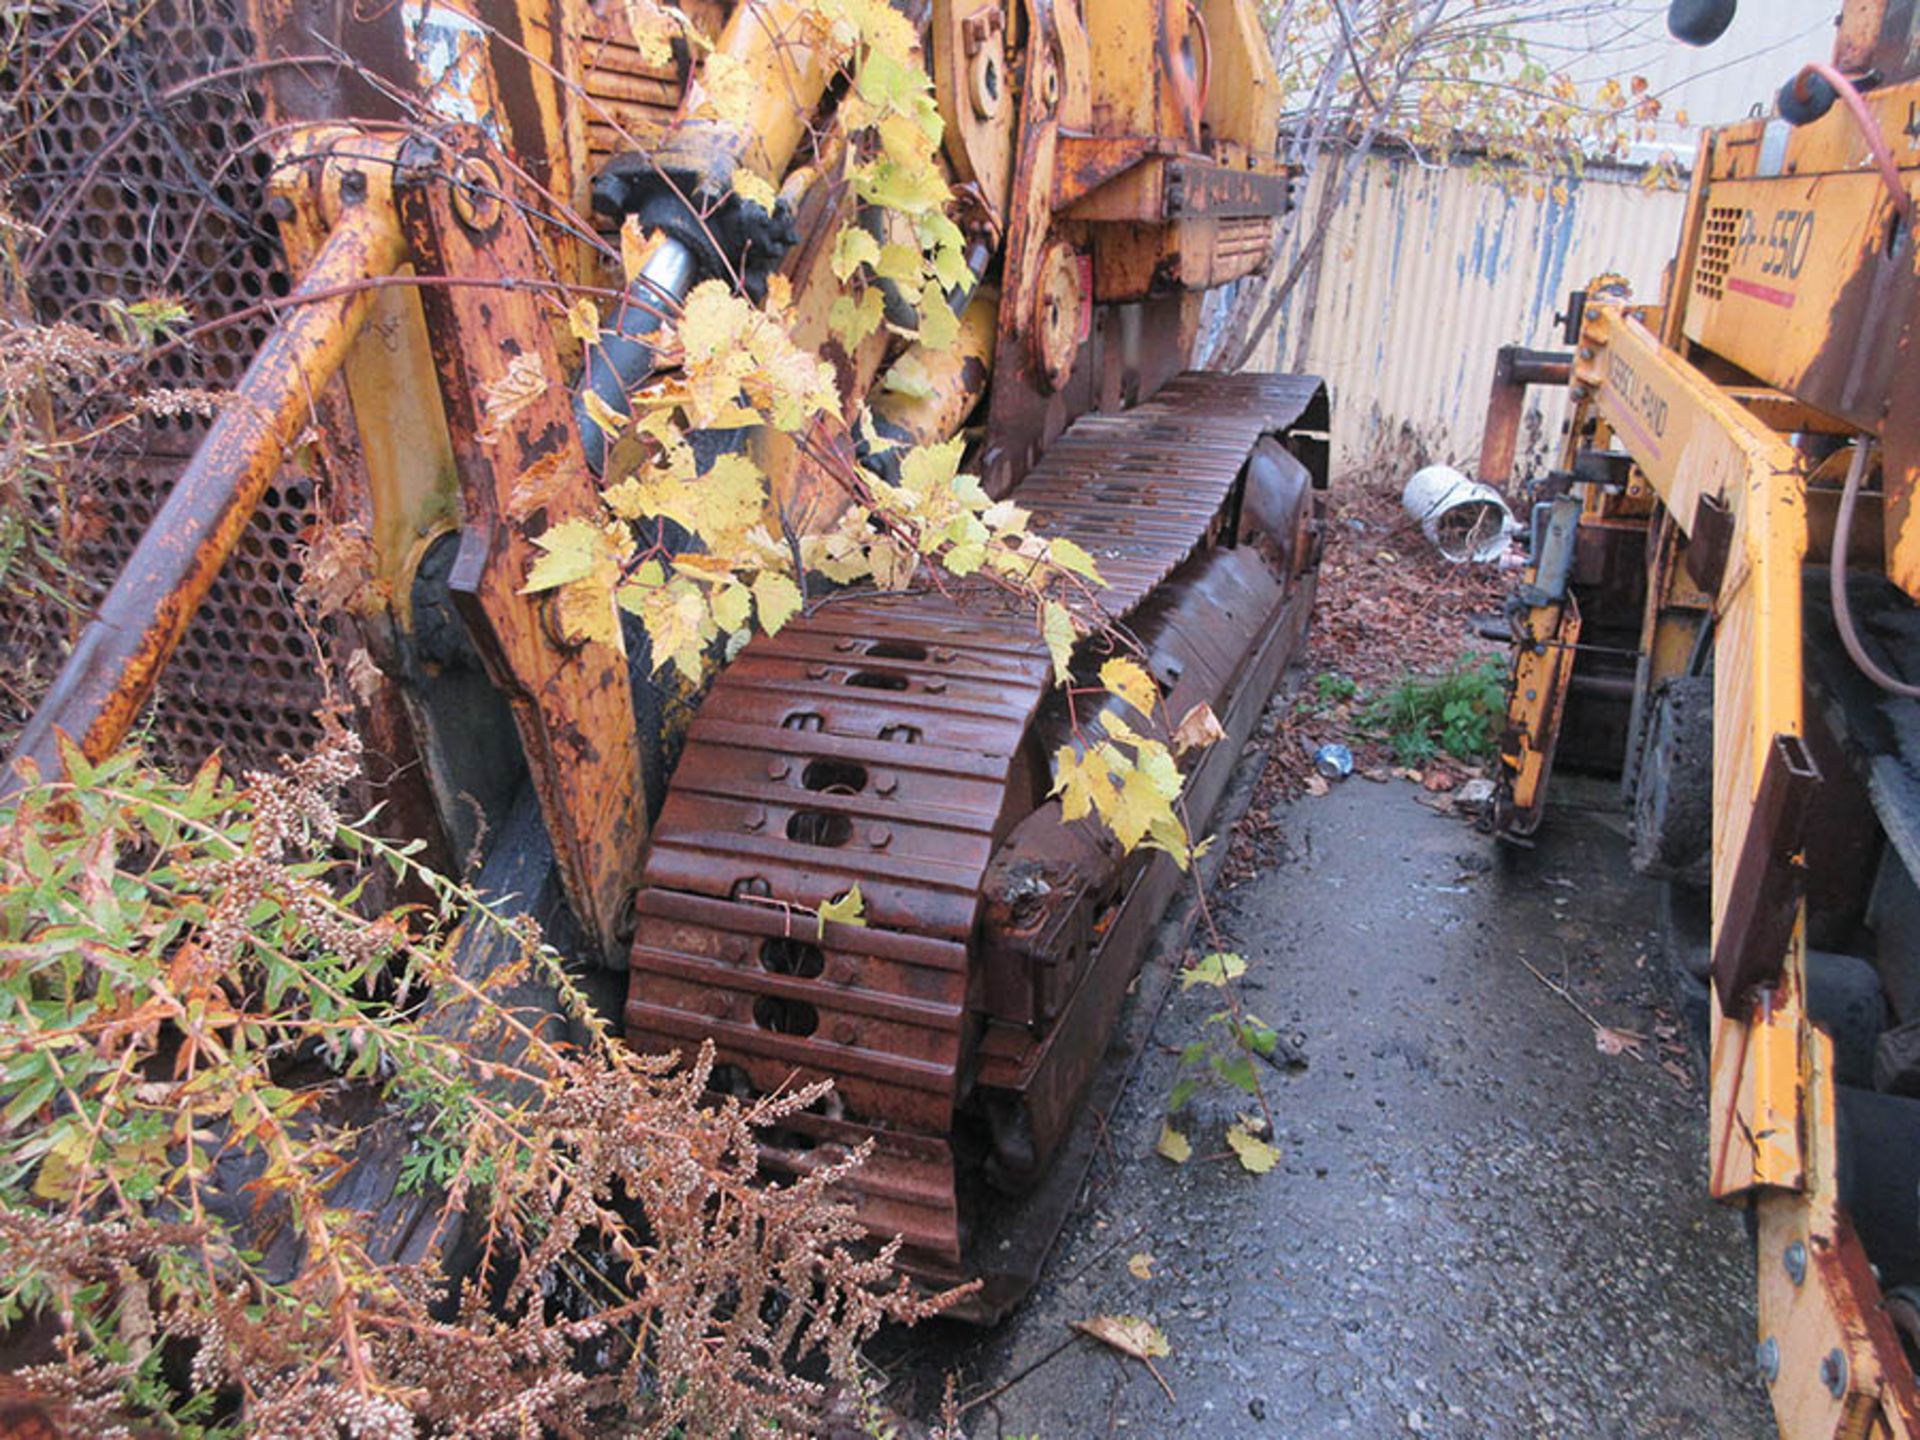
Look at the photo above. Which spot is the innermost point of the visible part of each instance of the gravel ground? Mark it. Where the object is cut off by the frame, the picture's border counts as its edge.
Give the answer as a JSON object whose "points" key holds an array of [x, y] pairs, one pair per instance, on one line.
{"points": [[1483, 1225]]}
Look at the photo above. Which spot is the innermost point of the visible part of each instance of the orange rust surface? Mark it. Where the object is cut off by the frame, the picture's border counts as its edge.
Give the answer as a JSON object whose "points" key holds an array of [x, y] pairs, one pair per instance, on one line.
{"points": [[571, 701]]}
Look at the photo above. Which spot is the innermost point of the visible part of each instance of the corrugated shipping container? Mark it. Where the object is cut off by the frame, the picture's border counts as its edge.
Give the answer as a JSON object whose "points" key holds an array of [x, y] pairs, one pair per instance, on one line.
{"points": [[1429, 270]]}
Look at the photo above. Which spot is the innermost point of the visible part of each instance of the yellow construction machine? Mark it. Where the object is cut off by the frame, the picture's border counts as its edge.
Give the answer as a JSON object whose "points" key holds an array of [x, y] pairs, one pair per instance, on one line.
{"points": [[398, 207], [1722, 602]]}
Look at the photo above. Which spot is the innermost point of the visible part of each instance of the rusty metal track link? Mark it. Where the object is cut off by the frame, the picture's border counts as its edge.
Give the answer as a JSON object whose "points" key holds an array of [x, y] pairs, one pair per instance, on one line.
{"points": [[879, 742]]}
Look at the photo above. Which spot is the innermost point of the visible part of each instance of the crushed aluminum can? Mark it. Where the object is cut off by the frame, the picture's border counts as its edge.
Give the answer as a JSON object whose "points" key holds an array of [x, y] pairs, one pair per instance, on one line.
{"points": [[1333, 761]]}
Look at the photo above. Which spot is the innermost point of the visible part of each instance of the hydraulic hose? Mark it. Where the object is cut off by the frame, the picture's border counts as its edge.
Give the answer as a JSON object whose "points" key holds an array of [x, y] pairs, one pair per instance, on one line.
{"points": [[1837, 580], [1857, 107], [624, 356]]}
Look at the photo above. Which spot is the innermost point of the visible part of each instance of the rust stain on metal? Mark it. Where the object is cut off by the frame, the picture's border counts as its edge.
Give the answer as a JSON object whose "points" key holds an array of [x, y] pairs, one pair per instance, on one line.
{"points": [[571, 703]]}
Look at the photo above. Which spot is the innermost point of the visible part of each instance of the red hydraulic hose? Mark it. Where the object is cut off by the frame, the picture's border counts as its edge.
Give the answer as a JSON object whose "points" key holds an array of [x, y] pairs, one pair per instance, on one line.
{"points": [[1869, 130], [1837, 579]]}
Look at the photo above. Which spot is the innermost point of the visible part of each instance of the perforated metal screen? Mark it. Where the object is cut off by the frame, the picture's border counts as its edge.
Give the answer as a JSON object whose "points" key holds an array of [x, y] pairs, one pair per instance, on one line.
{"points": [[147, 177]]}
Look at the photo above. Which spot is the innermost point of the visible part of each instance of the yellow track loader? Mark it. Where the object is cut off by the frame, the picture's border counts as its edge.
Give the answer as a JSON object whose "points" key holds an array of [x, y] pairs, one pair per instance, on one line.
{"points": [[461, 247], [1722, 603]]}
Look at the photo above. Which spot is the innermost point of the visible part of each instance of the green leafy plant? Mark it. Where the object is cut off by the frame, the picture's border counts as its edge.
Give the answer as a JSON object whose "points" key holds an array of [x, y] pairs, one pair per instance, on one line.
{"points": [[1230, 1041], [1456, 712], [1331, 688]]}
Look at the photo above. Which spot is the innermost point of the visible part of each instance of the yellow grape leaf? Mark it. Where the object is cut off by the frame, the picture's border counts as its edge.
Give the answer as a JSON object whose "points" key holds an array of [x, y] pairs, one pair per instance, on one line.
{"points": [[914, 189], [1140, 1265], [950, 254], [732, 607], [754, 188], [584, 321], [1085, 783], [852, 248], [1215, 969], [1198, 728], [1131, 683], [1069, 556], [1004, 518], [611, 422], [778, 598], [1170, 835], [1154, 761], [852, 320], [899, 263], [1173, 1145], [729, 497], [1139, 805], [966, 557], [927, 470], [678, 622], [574, 549], [524, 382], [939, 326], [1256, 1155], [1057, 626], [849, 909]]}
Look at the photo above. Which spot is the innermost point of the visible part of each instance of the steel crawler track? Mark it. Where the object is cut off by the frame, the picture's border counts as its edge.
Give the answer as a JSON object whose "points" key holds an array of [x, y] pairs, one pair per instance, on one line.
{"points": [[888, 741]]}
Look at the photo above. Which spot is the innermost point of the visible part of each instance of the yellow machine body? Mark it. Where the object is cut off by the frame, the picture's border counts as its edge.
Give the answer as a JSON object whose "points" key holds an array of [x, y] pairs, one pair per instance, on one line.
{"points": [[1709, 434]]}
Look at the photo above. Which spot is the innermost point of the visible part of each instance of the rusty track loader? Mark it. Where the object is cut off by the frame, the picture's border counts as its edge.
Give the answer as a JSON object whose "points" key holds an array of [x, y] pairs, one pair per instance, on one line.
{"points": [[384, 199], [1722, 605]]}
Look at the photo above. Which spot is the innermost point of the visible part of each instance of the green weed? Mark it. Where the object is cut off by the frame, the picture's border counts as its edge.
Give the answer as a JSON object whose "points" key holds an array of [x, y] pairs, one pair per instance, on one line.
{"points": [[1457, 711], [1332, 688]]}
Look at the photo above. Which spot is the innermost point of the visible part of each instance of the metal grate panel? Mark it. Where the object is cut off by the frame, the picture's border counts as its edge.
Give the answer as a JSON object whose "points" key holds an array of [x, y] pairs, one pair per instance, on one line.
{"points": [[1717, 240], [148, 179]]}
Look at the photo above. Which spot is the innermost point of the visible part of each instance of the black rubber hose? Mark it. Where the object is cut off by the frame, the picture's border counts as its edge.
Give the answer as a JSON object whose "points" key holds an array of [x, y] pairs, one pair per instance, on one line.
{"points": [[623, 357], [1837, 580]]}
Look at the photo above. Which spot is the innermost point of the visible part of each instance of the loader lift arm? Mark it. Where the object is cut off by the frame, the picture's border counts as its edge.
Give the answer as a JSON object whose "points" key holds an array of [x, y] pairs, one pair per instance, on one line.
{"points": [[1734, 491]]}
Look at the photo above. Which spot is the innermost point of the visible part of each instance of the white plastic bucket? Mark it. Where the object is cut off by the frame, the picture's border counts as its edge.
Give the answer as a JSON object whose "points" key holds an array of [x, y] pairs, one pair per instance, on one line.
{"points": [[1463, 519]]}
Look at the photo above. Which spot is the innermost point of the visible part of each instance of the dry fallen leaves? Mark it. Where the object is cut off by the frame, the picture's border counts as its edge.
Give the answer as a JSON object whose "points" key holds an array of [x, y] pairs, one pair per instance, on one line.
{"points": [[1130, 1335], [522, 383], [1172, 1144], [1141, 1265], [1609, 1041], [1255, 1154], [1197, 729]]}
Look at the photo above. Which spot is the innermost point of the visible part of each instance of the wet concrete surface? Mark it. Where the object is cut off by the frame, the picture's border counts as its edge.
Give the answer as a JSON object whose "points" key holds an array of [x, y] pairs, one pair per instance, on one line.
{"points": [[1482, 1225]]}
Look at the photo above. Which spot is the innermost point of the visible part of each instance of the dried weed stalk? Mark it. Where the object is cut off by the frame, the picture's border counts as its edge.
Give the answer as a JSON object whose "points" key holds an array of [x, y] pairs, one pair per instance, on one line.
{"points": [[207, 1057]]}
